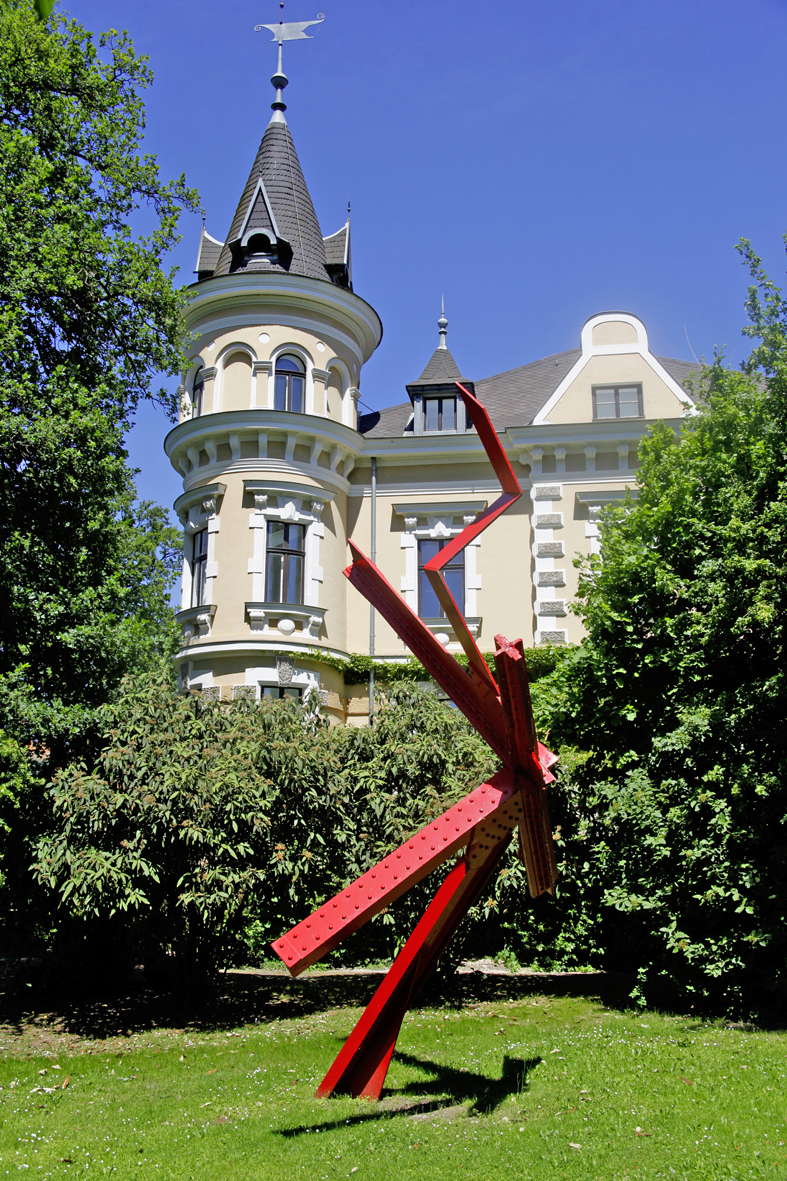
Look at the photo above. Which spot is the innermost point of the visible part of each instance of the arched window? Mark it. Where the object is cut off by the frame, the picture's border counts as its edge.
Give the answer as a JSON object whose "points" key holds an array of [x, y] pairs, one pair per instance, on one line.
{"points": [[290, 385], [197, 391]]}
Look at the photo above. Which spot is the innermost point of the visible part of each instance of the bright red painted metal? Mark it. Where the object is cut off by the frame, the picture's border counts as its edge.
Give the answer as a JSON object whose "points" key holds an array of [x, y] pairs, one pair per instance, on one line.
{"points": [[477, 701], [313, 938], [482, 823], [434, 568]]}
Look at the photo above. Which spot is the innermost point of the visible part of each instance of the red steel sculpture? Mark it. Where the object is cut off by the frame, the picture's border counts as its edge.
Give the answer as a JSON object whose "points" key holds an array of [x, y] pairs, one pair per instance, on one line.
{"points": [[482, 824]]}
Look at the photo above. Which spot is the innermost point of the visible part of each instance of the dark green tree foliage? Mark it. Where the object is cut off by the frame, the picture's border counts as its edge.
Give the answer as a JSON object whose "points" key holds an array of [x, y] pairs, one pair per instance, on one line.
{"points": [[200, 818], [87, 316], [678, 697]]}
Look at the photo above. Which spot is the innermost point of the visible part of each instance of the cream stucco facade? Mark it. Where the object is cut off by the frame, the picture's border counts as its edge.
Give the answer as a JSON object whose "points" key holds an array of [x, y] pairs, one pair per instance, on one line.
{"points": [[257, 468]]}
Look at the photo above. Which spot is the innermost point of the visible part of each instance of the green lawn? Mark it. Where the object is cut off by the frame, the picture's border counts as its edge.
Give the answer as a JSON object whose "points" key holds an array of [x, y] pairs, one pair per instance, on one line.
{"points": [[536, 1088]]}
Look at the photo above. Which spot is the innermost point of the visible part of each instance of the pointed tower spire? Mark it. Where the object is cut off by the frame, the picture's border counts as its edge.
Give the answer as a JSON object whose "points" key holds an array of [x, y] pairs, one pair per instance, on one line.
{"points": [[279, 80], [292, 31], [441, 369], [275, 227], [442, 324]]}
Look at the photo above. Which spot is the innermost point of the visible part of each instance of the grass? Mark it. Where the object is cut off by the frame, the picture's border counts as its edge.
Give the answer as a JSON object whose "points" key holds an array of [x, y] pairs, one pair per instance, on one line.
{"points": [[533, 1087]]}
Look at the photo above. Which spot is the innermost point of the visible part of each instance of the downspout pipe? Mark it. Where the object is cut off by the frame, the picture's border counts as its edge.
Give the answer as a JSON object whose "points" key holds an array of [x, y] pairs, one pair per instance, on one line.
{"points": [[371, 608]]}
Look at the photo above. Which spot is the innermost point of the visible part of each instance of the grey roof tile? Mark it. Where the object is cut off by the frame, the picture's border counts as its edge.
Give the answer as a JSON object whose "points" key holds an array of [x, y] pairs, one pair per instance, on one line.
{"points": [[441, 368], [278, 166], [338, 256], [386, 424], [207, 255], [513, 398], [336, 245]]}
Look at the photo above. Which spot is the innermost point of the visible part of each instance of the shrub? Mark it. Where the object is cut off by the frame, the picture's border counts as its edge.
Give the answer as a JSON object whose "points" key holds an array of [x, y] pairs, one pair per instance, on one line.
{"points": [[199, 818]]}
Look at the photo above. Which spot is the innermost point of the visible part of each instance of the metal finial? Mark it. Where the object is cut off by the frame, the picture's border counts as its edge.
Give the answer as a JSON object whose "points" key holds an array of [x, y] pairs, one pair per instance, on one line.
{"points": [[292, 31], [348, 208], [442, 324]]}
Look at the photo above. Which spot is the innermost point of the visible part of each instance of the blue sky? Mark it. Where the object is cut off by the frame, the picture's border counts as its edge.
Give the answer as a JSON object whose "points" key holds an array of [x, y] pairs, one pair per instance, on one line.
{"points": [[534, 163]]}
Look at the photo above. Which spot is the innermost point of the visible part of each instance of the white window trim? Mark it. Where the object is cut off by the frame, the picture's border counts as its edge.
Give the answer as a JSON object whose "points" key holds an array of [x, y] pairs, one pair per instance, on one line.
{"points": [[298, 351], [199, 510], [439, 525], [304, 679], [288, 507]]}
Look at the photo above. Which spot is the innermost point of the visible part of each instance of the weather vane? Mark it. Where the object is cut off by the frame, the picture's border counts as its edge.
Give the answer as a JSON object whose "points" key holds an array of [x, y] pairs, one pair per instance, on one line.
{"points": [[291, 31]]}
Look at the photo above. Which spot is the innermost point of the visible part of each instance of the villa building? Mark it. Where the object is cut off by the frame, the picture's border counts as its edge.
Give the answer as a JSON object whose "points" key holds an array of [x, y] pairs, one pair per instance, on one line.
{"points": [[279, 469]]}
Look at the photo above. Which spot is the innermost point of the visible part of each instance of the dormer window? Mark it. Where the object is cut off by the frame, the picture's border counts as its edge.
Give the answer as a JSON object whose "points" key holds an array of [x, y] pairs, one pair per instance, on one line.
{"points": [[290, 384], [197, 393], [440, 414], [260, 245]]}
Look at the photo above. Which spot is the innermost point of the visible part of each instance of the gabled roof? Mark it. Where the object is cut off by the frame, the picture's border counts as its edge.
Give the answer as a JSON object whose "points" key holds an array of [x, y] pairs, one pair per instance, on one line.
{"points": [[512, 398], [260, 216], [280, 205]]}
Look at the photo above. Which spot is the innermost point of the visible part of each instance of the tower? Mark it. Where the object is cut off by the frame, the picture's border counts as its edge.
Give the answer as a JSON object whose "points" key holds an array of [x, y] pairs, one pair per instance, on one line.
{"points": [[267, 435]]}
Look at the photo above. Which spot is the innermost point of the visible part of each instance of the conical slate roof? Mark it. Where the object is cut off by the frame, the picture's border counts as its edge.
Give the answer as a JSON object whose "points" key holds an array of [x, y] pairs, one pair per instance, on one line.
{"points": [[441, 368], [275, 204]]}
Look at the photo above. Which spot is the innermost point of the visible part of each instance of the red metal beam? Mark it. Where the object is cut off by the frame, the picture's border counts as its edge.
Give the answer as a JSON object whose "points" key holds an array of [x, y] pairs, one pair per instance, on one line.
{"points": [[477, 701], [483, 821], [434, 568], [338, 918], [536, 846], [361, 1065]]}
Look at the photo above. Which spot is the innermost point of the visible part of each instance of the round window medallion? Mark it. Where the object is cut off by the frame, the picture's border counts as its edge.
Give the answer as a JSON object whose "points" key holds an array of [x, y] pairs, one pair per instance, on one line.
{"points": [[264, 337], [320, 347], [441, 637], [287, 627], [211, 345]]}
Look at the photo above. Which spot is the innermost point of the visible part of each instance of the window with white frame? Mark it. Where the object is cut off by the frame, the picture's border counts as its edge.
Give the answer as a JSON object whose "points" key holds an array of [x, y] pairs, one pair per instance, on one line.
{"points": [[285, 555], [617, 401], [289, 389], [429, 606], [197, 394], [199, 568]]}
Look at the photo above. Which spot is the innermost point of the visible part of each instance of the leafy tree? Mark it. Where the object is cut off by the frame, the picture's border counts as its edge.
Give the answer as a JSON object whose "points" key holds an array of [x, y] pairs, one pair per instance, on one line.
{"points": [[87, 317], [678, 695]]}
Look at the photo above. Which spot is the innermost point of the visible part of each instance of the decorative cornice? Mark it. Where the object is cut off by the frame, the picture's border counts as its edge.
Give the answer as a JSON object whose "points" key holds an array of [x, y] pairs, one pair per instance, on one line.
{"points": [[433, 508], [259, 419], [213, 299], [278, 467], [607, 496], [284, 484], [197, 494], [254, 648]]}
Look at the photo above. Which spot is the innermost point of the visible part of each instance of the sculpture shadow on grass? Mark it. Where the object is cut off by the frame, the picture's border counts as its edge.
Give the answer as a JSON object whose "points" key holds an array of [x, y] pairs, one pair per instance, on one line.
{"points": [[447, 1090]]}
